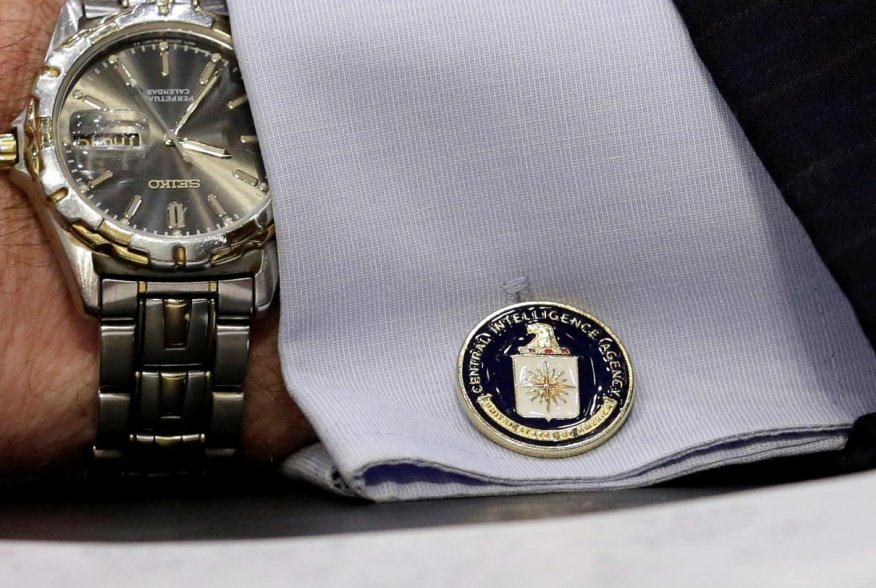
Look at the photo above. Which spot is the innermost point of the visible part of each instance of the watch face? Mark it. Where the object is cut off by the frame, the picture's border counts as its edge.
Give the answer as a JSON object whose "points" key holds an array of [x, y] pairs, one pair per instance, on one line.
{"points": [[157, 134]]}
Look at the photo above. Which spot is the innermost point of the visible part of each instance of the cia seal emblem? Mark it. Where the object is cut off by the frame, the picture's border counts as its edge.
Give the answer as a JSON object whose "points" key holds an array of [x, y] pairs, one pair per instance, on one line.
{"points": [[545, 379]]}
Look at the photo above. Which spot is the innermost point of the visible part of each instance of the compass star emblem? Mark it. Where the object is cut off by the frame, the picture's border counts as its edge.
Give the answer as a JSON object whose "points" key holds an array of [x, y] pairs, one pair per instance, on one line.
{"points": [[547, 386]]}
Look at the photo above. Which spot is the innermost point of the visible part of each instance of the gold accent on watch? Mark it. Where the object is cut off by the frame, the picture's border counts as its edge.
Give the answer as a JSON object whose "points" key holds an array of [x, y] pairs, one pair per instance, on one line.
{"points": [[179, 256], [8, 151], [115, 235], [33, 145], [103, 240], [245, 239], [55, 198]]}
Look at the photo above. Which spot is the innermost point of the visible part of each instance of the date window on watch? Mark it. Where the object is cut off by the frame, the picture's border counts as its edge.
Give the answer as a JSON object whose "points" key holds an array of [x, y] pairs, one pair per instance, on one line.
{"points": [[102, 137], [110, 140]]}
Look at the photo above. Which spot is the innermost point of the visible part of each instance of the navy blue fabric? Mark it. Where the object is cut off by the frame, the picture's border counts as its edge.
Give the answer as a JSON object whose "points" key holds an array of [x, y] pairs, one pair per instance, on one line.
{"points": [[800, 76]]}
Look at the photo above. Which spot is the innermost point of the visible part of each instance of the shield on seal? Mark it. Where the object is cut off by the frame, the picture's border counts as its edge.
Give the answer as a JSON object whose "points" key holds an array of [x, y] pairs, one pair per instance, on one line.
{"points": [[545, 377]]}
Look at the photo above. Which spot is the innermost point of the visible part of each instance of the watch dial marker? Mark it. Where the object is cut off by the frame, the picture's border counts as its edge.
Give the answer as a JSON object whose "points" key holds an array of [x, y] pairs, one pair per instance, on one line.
{"points": [[90, 101], [246, 178], [163, 47], [251, 180], [132, 209], [249, 139], [104, 177], [210, 69], [238, 102], [220, 211], [176, 217], [122, 70]]}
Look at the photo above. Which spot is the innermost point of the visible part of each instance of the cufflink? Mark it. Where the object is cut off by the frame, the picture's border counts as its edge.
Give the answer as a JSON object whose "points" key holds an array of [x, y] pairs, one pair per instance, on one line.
{"points": [[545, 379]]}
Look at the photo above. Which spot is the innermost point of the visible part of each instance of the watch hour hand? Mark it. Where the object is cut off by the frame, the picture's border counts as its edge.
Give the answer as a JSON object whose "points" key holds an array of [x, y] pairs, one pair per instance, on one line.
{"points": [[210, 150]]}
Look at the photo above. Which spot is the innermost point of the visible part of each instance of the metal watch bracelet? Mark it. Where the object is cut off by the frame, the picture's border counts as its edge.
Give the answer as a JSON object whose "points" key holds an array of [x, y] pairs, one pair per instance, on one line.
{"points": [[173, 362], [101, 8], [173, 356]]}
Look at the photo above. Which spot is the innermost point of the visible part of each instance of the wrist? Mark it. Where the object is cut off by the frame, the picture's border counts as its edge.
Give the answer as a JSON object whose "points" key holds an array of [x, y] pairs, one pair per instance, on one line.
{"points": [[48, 366], [273, 426]]}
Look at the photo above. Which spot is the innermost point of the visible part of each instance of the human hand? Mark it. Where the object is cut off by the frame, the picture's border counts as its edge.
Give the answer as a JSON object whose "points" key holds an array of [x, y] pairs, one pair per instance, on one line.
{"points": [[48, 352]]}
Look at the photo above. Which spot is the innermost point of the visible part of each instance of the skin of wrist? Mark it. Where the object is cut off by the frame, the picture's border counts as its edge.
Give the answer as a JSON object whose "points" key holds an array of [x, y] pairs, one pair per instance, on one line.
{"points": [[48, 352]]}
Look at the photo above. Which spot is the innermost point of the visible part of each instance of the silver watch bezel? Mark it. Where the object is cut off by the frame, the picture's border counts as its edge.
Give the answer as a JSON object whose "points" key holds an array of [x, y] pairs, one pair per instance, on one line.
{"points": [[69, 206]]}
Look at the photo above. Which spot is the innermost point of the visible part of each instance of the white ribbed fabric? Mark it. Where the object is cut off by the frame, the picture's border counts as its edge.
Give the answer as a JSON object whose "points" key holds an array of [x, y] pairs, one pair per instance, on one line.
{"points": [[424, 152]]}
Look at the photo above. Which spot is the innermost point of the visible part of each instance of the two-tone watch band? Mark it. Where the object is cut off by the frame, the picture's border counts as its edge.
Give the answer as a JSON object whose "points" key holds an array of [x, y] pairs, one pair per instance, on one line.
{"points": [[173, 356], [173, 363], [101, 8]]}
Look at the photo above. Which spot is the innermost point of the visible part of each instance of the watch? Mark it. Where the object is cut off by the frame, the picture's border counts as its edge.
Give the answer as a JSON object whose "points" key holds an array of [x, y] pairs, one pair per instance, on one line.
{"points": [[139, 153]]}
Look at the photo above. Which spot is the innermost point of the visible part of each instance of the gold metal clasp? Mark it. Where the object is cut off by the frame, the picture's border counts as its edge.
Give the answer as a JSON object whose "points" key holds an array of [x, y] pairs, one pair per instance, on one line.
{"points": [[8, 151]]}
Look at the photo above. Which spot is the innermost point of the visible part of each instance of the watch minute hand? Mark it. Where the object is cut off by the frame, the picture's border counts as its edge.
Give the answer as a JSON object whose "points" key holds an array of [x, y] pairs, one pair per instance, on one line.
{"points": [[196, 103]]}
